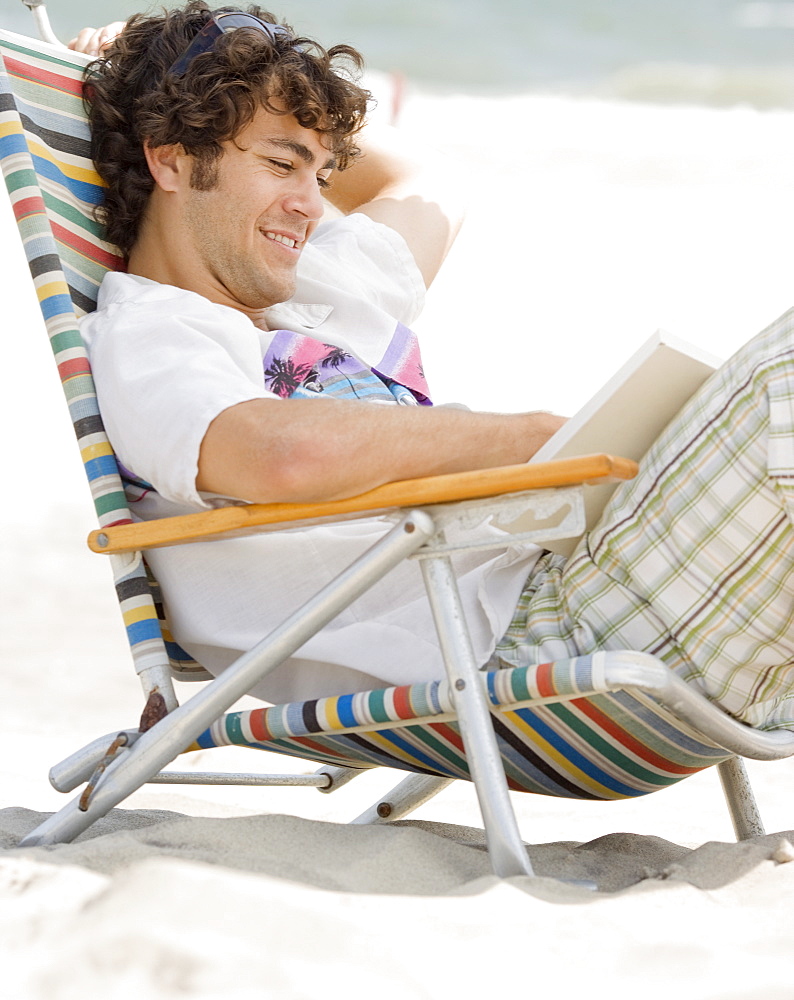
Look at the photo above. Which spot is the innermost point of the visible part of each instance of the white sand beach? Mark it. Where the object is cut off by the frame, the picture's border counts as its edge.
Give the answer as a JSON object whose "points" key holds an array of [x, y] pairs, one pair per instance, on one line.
{"points": [[592, 224]]}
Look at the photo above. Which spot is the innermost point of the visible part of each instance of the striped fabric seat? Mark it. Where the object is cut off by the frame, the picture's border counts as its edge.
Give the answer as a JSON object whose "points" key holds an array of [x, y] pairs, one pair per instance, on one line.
{"points": [[598, 745], [595, 745], [46, 160]]}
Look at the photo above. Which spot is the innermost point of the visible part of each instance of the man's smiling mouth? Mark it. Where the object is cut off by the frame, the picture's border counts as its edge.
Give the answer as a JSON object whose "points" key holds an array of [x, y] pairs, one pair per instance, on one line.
{"points": [[286, 240]]}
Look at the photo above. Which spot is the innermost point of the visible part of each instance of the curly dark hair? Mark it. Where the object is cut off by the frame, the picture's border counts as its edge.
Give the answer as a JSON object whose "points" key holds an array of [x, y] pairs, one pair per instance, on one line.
{"points": [[131, 97]]}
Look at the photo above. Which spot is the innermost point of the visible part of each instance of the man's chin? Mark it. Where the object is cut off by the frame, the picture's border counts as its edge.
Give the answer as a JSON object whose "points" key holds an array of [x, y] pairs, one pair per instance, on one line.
{"points": [[264, 298]]}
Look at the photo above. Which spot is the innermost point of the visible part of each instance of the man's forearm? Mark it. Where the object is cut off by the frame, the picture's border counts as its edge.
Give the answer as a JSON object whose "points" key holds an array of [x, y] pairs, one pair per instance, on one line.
{"points": [[308, 450]]}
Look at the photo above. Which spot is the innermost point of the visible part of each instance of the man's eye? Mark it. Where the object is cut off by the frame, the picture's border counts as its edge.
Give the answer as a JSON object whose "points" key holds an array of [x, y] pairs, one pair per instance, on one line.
{"points": [[280, 165], [324, 183]]}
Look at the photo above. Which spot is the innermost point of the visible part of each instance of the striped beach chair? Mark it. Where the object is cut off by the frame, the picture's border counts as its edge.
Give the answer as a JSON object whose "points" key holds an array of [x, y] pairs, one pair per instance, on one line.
{"points": [[608, 726]]}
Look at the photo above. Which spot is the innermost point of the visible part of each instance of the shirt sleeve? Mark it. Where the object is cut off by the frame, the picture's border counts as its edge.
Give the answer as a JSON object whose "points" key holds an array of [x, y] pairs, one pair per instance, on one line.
{"points": [[160, 384]]}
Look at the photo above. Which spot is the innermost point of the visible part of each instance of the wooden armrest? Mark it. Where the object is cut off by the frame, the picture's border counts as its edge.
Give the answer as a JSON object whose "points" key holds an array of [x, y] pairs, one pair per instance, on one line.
{"points": [[247, 518]]}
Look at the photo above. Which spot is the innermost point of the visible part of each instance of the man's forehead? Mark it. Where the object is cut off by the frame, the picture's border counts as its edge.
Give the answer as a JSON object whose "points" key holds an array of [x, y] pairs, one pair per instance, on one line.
{"points": [[268, 130]]}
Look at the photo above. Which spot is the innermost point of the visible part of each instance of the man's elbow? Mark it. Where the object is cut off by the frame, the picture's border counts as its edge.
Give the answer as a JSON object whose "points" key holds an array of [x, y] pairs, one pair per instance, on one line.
{"points": [[299, 471], [276, 452], [295, 470]]}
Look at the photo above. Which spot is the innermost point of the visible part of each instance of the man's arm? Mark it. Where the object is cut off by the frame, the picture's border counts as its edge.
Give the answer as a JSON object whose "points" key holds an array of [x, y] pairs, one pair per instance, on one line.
{"points": [[416, 194], [305, 450]]}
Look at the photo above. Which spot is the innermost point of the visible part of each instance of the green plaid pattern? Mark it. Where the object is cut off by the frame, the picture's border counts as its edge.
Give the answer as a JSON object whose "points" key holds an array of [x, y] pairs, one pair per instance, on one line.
{"points": [[691, 561]]}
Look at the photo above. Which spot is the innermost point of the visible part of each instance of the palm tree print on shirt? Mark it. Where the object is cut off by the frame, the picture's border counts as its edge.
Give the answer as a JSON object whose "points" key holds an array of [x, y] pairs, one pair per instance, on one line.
{"points": [[335, 359], [283, 376]]}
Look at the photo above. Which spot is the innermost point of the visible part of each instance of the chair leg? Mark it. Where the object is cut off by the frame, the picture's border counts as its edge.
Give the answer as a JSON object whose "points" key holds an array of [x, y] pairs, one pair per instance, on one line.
{"points": [[743, 808], [406, 796], [337, 776], [506, 849], [159, 745]]}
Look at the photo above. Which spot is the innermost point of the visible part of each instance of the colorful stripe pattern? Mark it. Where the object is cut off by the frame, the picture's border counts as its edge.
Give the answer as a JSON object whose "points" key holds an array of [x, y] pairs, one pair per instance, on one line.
{"points": [[597, 745], [45, 159]]}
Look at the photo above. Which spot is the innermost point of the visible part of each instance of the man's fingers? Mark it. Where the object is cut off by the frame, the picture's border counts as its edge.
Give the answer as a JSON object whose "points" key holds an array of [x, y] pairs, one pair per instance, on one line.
{"points": [[92, 41], [109, 32], [83, 41]]}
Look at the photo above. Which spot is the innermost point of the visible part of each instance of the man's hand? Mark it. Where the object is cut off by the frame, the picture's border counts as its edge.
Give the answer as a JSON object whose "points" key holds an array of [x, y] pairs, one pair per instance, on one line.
{"points": [[305, 450], [93, 41]]}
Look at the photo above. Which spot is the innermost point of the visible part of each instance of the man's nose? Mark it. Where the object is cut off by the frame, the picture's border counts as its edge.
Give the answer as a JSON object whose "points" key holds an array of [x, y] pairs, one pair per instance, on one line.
{"points": [[305, 199]]}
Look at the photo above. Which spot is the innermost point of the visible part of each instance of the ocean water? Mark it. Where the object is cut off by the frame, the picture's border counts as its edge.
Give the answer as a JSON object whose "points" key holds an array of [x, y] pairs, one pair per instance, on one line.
{"points": [[714, 52]]}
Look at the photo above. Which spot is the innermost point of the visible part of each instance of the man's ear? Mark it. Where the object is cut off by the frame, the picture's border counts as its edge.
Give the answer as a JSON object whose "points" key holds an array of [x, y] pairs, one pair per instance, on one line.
{"points": [[169, 165]]}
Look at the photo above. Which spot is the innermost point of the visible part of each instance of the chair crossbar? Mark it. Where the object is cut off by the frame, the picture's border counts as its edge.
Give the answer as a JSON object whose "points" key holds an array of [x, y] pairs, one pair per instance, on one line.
{"points": [[319, 780]]}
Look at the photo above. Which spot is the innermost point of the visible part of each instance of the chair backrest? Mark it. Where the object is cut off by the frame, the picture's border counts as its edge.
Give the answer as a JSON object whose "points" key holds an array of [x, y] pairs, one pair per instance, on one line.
{"points": [[54, 189], [53, 185]]}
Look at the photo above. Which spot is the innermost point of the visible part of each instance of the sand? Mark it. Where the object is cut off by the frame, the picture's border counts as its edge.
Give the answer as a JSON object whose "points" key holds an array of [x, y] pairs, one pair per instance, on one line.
{"points": [[626, 218]]}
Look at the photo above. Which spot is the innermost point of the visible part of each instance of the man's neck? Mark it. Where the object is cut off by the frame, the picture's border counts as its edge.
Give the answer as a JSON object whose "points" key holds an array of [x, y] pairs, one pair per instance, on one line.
{"points": [[157, 266]]}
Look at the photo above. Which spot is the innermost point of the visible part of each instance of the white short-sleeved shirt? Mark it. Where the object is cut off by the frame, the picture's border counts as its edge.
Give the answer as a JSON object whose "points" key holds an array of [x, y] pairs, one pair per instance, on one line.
{"points": [[167, 361]]}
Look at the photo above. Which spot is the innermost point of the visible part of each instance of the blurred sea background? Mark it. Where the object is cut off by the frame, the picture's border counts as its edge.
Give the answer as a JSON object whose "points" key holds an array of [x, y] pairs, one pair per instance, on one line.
{"points": [[629, 166], [713, 51]]}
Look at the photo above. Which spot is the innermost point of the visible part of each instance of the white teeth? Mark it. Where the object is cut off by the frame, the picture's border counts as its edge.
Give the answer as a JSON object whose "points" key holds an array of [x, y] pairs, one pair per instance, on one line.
{"points": [[282, 239]]}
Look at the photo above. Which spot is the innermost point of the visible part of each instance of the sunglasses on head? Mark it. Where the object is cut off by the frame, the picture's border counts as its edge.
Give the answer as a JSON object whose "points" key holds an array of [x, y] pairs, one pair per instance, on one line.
{"points": [[219, 24]]}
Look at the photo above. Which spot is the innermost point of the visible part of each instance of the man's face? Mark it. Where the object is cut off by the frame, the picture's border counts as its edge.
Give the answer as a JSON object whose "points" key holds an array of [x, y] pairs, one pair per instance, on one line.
{"points": [[247, 232]]}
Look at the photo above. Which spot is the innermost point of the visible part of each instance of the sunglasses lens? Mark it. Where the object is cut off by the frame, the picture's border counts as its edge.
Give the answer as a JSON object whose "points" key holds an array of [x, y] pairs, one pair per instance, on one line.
{"points": [[219, 25]]}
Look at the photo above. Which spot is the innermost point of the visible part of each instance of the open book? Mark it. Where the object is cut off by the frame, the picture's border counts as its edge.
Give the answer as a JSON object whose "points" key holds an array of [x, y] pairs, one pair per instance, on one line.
{"points": [[627, 415]]}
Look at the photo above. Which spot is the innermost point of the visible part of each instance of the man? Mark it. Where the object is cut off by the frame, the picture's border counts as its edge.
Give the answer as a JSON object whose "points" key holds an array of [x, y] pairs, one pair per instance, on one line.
{"points": [[217, 354]]}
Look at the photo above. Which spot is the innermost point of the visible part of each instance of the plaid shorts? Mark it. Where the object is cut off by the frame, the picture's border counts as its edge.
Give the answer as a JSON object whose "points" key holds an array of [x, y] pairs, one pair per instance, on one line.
{"points": [[692, 560]]}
